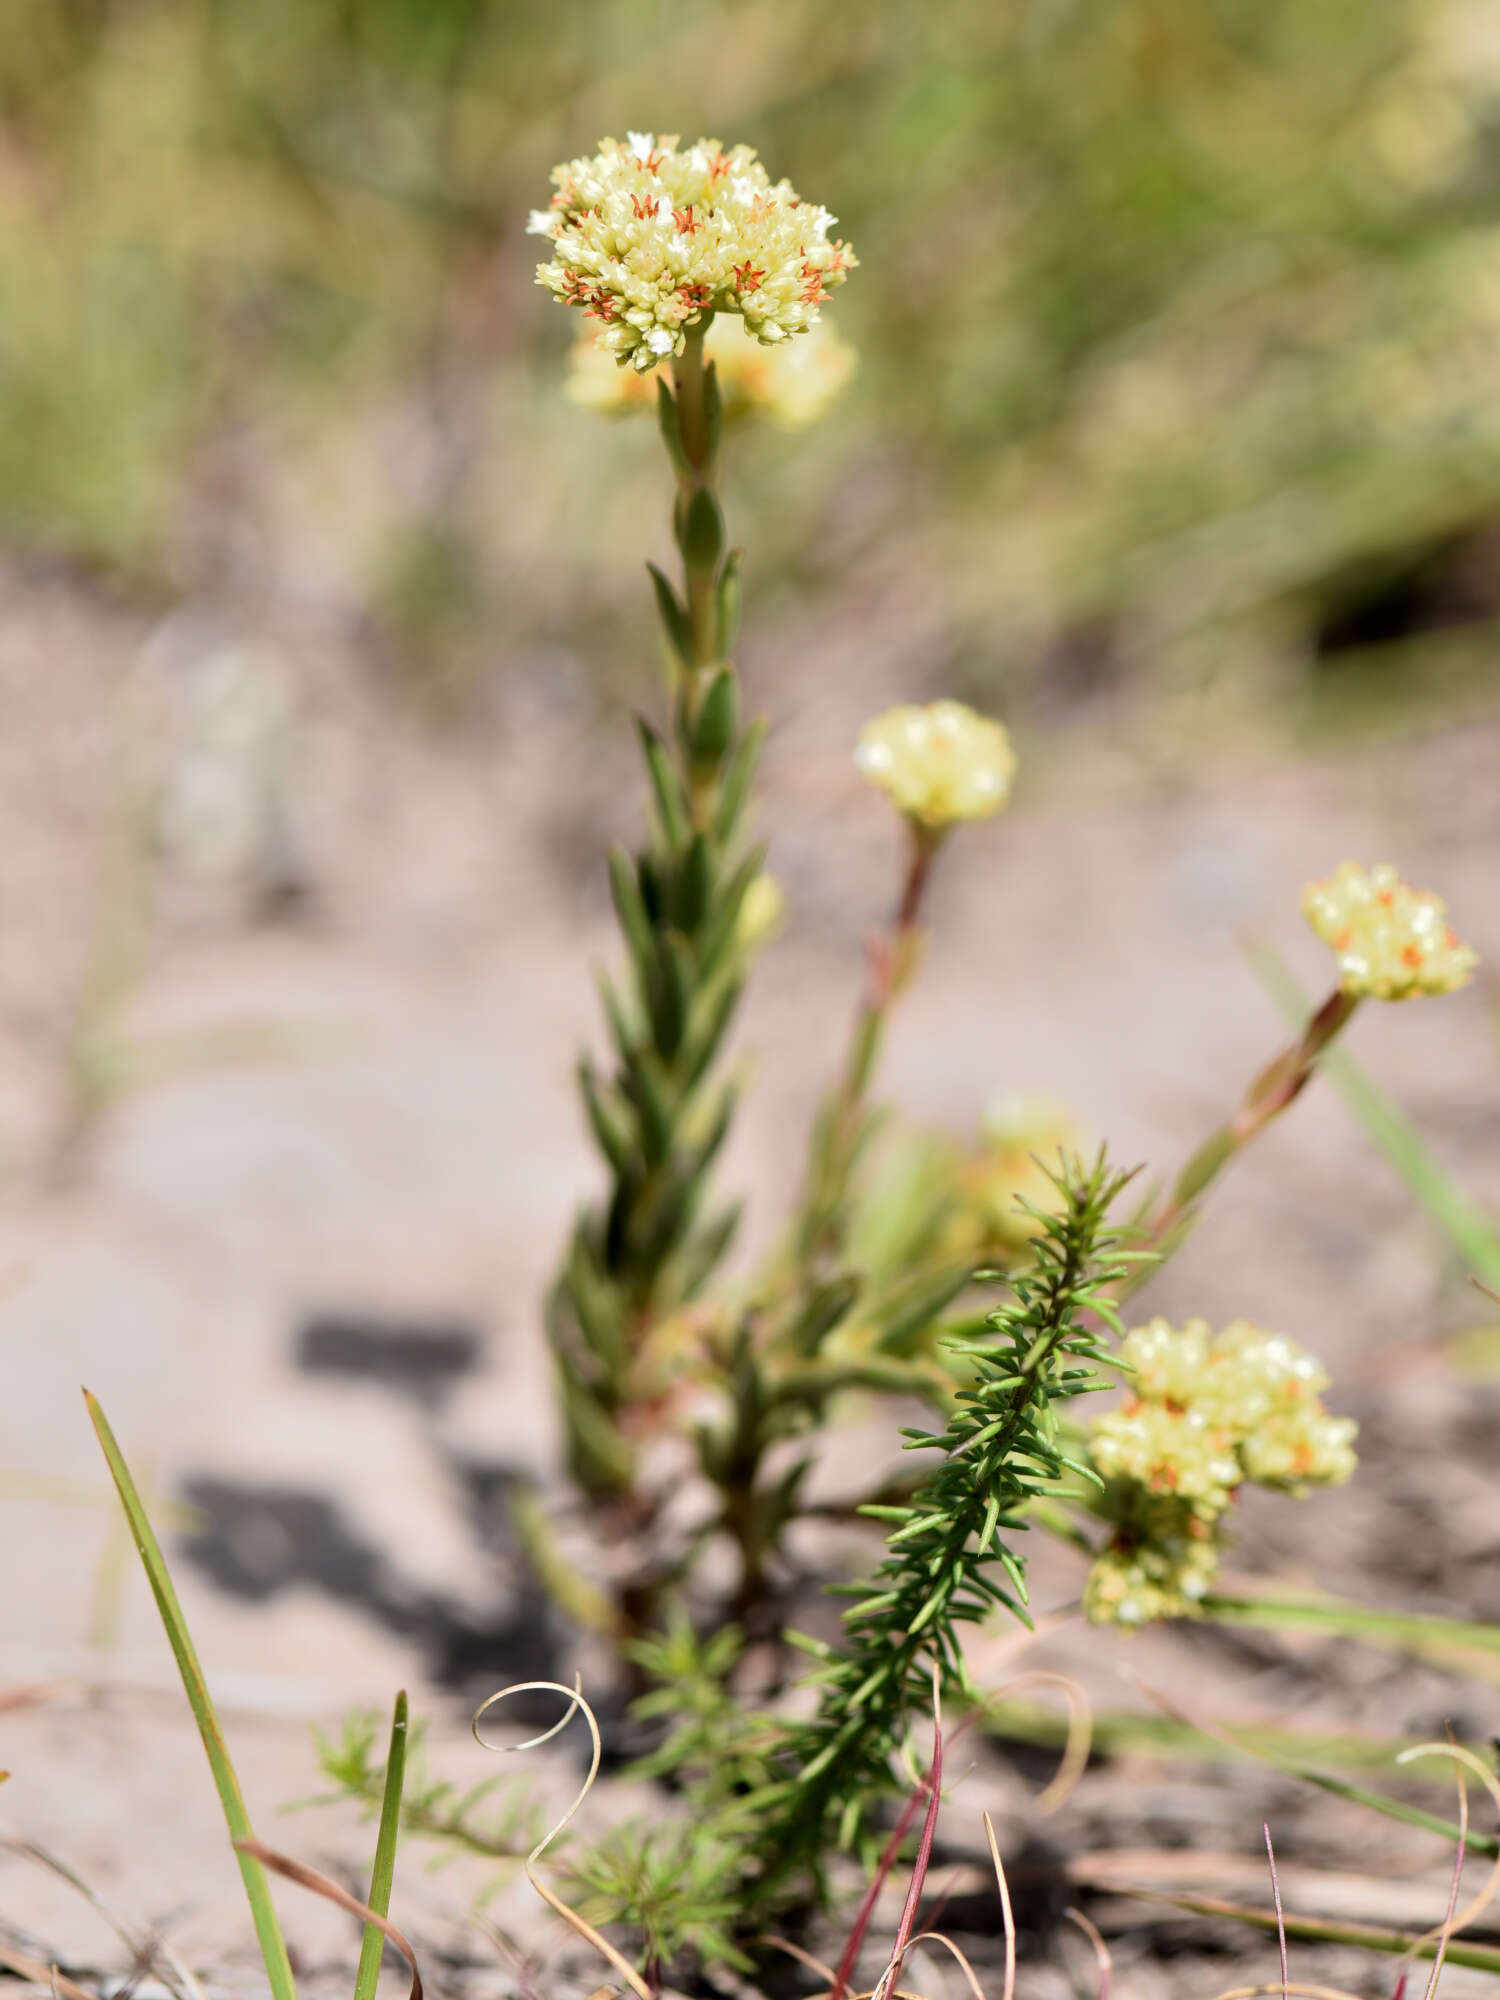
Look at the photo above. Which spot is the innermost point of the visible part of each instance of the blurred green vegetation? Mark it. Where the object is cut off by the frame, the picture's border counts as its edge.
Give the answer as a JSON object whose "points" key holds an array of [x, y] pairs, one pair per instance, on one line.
{"points": [[1180, 319]]}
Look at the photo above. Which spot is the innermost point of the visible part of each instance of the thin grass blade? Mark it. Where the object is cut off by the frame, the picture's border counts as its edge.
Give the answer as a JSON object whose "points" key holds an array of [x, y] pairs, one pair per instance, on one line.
{"points": [[257, 1889], [1318, 1930], [1410, 1631], [320, 1885], [384, 1870]]}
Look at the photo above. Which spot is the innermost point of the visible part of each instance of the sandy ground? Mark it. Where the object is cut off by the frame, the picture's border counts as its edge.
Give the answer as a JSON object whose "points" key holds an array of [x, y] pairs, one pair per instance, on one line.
{"points": [[363, 1116]]}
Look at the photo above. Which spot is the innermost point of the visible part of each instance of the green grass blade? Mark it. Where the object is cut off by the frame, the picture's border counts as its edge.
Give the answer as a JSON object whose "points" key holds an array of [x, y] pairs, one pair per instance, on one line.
{"points": [[1117, 1733], [1318, 1930], [1445, 1202], [1476, 1843], [382, 1874], [1404, 1631], [257, 1890]]}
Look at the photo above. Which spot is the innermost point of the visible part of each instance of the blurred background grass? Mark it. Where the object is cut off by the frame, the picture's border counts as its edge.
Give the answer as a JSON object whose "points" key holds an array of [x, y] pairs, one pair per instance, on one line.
{"points": [[1179, 324]]}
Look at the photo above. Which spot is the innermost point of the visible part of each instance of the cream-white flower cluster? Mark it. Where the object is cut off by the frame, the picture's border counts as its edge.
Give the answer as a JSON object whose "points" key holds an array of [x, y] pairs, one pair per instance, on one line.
{"points": [[1392, 941], [940, 763], [648, 239], [1205, 1414]]}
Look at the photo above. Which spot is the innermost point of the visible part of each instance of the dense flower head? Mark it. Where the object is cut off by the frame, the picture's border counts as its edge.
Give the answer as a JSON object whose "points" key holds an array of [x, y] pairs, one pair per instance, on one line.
{"points": [[1203, 1414], [1392, 941], [940, 763], [649, 238], [792, 384]]}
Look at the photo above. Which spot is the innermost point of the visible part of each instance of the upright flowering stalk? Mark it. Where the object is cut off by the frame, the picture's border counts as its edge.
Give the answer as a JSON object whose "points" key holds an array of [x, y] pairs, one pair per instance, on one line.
{"points": [[1392, 942], [939, 765], [651, 242], [819, 1323]]}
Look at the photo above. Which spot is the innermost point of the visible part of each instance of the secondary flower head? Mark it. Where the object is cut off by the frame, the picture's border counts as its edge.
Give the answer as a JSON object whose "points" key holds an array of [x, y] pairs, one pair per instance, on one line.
{"points": [[1206, 1412], [792, 384], [1392, 941], [940, 764], [648, 239]]}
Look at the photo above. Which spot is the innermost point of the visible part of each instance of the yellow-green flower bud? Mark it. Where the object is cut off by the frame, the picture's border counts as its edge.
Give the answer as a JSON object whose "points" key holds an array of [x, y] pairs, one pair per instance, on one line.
{"points": [[762, 913], [940, 763], [791, 385], [1392, 941], [648, 239]]}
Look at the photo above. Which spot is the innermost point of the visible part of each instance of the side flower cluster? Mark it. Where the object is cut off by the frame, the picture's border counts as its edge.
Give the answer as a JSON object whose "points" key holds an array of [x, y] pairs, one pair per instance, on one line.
{"points": [[940, 763], [648, 239], [1205, 1414], [1392, 941]]}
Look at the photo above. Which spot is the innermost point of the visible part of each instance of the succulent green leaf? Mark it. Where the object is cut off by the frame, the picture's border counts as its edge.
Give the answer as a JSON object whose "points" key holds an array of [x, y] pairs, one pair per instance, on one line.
{"points": [[735, 784], [729, 603], [690, 902], [702, 537], [674, 618], [713, 731], [666, 786], [670, 423]]}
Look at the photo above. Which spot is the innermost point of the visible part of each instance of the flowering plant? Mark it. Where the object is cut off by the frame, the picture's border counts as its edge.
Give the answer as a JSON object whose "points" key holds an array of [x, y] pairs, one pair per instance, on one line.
{"points": [[675, 1385]]}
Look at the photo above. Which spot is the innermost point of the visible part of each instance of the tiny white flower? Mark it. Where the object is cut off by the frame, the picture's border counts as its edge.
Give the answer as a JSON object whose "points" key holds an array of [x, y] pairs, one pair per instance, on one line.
{"points": [[642, 144], [541, 222], [660, 341]]}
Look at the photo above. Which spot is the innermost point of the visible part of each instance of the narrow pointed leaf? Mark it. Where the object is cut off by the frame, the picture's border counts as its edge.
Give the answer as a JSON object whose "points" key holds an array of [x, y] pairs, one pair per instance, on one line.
{"points": [[384, 1871], [257, 1889]]}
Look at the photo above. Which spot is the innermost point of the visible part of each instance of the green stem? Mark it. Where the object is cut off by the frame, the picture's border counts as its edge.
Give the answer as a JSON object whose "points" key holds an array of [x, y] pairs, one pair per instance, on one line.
{"points": [[891, 961], [696, 473], [1279, 1084], [662, 1116]]}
